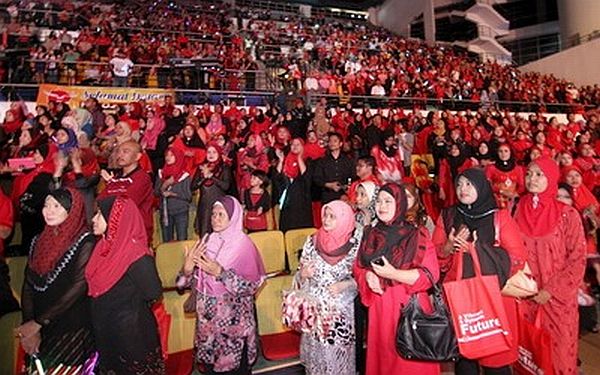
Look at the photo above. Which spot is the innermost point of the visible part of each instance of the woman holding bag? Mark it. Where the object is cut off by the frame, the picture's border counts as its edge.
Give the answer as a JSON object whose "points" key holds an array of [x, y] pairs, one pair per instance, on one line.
{"points": [[387, 273], [555, 241], [499, 249]]}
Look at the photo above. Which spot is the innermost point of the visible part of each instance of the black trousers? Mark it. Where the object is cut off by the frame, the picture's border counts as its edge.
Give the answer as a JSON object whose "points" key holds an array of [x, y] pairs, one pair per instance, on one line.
{"points": [[470, 367]]}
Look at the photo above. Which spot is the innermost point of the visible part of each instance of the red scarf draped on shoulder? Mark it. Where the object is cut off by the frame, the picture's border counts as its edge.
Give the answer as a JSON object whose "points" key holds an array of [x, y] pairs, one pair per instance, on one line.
{"points": [[123, 243]]}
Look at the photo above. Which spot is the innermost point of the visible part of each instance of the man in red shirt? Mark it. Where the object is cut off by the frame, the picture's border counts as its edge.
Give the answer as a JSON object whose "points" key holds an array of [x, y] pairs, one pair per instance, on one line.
{"points": [[132, 182]]}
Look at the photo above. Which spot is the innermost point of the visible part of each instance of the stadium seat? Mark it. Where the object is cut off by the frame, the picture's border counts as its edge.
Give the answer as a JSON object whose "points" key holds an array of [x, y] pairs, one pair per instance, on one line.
{"points": [[181, 334], [294, 241], [169, 260], [277, 341], [271, 247], [8, 342]]}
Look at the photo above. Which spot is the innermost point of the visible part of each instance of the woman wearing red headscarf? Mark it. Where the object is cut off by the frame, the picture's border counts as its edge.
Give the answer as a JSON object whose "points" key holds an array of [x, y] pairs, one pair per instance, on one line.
{"points": [[589, 165], [292, 184], [585, 203], [387, 273], [555, 242], [55, 307], [213, 178], [192, 146], [325, 273], [173, 187], [123, 283], [250, 158]]}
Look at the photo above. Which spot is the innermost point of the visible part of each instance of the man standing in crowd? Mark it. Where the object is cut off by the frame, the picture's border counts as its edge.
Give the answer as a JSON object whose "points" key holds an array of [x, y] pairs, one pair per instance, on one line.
{"points": [[365, 170], [333, 171], [121, 67], [406, 143], [131, 181]]}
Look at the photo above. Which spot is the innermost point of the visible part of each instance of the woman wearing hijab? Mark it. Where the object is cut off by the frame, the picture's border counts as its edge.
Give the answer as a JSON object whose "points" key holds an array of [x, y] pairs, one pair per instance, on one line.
{"points": [[292, 180], [250, 158], [476, 218], [555, 242], [173, 187], [325, 273], [194, 150], [483, 154], [365, 204], [66, 140], [225, 270], [456, 162], [123, 283], [30, 190], [388, 159], [213, 178], [155, 125], [56, 325], [387, 271], [507, 178]]}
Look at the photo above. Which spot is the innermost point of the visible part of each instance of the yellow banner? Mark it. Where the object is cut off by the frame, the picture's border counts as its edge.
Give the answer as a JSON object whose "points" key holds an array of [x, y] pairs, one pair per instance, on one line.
{"points": [[76, 95]]}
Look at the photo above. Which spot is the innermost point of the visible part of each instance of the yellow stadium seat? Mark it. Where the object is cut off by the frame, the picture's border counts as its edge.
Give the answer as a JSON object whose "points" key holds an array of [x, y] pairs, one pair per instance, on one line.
{"points": [[169, 260], [277, 341], [294, 241], [8, 342], [271, 247], [181, 333]]}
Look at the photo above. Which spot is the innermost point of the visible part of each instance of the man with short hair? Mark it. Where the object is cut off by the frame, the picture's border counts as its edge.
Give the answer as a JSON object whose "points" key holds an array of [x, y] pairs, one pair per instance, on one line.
{"points": [[121, 67], [334, 171], [365, 171], [132, 182]]}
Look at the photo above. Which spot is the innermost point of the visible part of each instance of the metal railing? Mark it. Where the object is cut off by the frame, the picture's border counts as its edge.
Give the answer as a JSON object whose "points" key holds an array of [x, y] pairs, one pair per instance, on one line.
{"points": [[93, 73], [442, 104]]}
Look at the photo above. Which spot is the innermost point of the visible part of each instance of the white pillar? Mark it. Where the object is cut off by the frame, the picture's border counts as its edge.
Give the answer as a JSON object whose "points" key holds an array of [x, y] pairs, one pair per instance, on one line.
{"points": [[429, 21]]}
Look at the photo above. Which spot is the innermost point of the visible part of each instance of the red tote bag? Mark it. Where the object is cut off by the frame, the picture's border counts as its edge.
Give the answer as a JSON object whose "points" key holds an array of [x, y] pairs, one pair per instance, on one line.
{"points": [[535, 347], [478, 314]]}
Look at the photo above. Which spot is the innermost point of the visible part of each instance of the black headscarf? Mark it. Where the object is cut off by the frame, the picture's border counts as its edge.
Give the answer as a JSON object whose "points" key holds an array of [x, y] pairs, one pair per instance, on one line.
{"points": [[105, 205], [480, 217], [397, 240], [456, 162], [63, 197], [505, 165], [388, 151]]}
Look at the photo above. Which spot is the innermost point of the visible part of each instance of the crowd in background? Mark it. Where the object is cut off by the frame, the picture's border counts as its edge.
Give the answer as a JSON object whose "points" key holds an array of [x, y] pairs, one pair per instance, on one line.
{"points": [[87, 43]]}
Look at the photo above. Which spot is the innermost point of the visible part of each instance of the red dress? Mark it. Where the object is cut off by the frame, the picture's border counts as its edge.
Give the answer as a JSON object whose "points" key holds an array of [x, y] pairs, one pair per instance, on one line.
{"points": [[384, 312], [557, 261]]}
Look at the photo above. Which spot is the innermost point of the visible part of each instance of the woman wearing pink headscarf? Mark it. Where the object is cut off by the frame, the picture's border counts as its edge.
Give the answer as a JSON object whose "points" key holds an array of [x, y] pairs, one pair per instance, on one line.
{"points": [[226, 271], [325, 273]]}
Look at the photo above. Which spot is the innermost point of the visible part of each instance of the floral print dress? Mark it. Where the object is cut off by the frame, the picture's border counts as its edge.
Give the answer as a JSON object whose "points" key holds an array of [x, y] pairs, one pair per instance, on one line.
{"points": [[329, 346], [225, 324]]}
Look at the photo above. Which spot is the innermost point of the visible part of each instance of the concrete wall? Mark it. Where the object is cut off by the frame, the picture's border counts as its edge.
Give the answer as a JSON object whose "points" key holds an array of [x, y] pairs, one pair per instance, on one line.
{"points": [[578, 16], [580, 65]]}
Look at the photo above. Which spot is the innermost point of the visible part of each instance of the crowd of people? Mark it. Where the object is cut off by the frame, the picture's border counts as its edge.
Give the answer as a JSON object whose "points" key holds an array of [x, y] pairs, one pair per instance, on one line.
{"points": [[401, 199], [338, 57], [391, 191]]}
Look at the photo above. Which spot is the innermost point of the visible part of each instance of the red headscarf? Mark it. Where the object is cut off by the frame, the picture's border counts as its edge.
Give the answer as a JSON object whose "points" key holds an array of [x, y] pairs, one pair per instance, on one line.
{"points": [[582, 196], [177, 169], [334, 245], [538, 214], [54, 241], [123, 243], [291, 168]]}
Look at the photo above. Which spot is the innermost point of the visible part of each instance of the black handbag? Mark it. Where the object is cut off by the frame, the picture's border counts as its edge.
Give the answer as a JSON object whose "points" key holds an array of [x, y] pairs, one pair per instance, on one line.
{"points": [[426, 337]]}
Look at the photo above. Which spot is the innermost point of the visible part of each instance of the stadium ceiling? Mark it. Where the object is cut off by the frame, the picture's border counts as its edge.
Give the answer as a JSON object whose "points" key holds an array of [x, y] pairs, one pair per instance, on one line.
{"points": [[347, 4]]}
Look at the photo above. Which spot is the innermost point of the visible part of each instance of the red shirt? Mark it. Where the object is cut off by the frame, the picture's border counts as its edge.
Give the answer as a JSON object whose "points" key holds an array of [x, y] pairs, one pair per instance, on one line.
{"points": [[6, 217], [137, 186]]}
